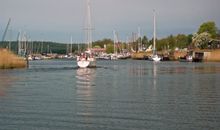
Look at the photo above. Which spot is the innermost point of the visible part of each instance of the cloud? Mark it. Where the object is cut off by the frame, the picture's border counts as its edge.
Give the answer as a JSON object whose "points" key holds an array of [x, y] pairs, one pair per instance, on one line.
{"points": [[67, 16]]}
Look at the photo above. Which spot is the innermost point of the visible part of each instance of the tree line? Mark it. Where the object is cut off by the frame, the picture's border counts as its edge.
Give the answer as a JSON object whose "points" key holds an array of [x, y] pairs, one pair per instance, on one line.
{"points": [[207, 36], [43, 47]]}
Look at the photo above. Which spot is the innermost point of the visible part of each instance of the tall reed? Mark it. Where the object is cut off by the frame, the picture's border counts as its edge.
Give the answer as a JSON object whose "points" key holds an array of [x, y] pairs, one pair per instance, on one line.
{"points": [[8, 60]]}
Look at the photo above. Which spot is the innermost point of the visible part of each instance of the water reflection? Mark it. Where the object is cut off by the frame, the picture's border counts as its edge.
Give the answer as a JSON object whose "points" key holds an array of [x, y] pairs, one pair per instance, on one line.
{"points": [[85, 77], [174, 68], [85, 85], [206, 69], [6, 81], [138, 70], [154, 74], [85, 80], [133, 95]]}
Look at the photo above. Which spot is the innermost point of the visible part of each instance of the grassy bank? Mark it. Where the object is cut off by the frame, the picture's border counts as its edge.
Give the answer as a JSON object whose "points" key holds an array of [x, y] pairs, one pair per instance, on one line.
{"points": [[8, 60]]}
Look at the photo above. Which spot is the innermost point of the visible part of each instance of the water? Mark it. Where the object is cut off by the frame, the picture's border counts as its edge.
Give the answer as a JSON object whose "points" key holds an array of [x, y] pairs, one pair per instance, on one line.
{"points": [[117, 95]]}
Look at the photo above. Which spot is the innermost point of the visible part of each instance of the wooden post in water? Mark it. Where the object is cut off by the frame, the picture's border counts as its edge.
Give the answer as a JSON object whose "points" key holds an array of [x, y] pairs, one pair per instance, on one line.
{"points": [[27, 61]]}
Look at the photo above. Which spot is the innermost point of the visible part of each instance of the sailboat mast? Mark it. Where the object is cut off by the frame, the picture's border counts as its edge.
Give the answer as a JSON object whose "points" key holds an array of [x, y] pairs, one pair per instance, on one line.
{"points": [[139, 40], [88, 26], [154, 47], [115, 38], [71, 45], [41, 46], [19, 43]]}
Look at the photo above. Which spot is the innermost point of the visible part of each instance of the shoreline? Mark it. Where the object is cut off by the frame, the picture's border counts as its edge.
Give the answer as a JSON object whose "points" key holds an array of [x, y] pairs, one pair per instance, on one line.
{"points": [[208, 55]]}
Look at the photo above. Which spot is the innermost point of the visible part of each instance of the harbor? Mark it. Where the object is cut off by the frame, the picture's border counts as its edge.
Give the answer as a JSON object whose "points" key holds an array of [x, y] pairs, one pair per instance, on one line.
{"points": [[109, 65]]}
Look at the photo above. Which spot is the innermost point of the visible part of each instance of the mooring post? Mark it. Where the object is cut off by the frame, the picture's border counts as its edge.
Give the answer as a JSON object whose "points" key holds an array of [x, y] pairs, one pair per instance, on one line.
{"points": [[27, 61]]}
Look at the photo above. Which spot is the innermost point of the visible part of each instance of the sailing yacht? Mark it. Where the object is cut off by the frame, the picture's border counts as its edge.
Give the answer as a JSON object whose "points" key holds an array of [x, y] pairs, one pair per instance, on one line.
{"points": [[87, 59], [114, 56], [155, 57]]}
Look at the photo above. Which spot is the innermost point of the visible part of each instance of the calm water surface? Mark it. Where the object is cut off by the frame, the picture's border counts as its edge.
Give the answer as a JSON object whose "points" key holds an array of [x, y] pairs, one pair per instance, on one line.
{"points": [[118, 95]]}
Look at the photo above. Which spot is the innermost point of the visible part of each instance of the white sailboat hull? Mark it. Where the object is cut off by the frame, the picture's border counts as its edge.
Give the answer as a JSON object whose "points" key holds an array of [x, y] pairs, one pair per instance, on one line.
{"points": [[85, 63], [156, 58]]}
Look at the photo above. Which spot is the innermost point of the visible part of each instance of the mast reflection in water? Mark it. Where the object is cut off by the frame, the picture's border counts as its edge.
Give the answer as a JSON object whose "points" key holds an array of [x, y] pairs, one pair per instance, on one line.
{"points": [[85, 85], [119, 95]]}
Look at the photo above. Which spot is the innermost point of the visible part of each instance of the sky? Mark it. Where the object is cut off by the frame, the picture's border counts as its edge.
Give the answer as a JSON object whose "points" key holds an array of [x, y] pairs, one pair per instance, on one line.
{"points": [[58, 20]]}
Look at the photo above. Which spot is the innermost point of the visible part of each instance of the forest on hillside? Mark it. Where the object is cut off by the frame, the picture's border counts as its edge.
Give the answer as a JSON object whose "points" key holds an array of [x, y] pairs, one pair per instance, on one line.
{"points": [[207, 36]]}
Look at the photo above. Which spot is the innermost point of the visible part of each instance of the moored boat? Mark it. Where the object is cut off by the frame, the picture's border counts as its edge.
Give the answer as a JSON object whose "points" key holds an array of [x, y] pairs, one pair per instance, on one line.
{"points": [[87, 59], [187, 58], [155, 57]]}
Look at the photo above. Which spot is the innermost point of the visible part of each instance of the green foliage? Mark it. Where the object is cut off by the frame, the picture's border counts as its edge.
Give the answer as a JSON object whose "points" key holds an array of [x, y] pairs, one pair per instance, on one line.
{"points": [[59, 48], [218, 35], [181, 41], [97, 46], [208, 27], [201, 40], [110, 48], [107, 42], [162, 44], [5, 44], [171, 42], [150, 42], [145, 41], [103, 42], [189, 37]]}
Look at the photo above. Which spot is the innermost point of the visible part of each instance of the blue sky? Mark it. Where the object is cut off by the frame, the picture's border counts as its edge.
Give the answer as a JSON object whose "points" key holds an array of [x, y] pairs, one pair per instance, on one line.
{"points": [[57, 20]]}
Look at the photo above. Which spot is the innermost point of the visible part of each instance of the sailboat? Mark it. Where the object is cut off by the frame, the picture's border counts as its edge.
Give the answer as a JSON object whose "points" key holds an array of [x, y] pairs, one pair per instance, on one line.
{"points": [[114, 56], [155, 57], [87, 58]]}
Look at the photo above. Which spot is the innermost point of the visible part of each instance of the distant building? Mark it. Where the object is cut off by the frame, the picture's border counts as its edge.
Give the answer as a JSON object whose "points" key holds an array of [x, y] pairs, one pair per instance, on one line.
{"points": [[98, 51], [207, 55]]}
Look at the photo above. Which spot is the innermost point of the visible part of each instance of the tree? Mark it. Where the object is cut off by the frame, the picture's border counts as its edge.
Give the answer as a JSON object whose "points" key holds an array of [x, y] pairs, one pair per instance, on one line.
{"points": [[110, 48], [171, 42], [102, 42], [208, 27], [218, 35], [181, 41], [201, 40], [189, 37], [150, 42], [162, 44], [145, 41]]}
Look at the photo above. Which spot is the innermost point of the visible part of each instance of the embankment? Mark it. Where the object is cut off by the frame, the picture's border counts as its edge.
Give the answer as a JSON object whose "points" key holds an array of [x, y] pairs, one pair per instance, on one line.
{"points": [[212, 56]]}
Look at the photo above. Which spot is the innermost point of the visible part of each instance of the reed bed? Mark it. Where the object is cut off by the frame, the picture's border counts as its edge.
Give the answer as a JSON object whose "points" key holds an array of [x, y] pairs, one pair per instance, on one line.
{"points": [[140, 55], [8, 60]]}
